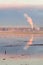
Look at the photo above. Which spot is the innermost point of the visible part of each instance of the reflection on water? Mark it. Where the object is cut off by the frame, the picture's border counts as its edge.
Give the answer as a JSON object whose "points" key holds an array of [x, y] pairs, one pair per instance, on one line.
{"points": [[29, 42], [30, 45]]}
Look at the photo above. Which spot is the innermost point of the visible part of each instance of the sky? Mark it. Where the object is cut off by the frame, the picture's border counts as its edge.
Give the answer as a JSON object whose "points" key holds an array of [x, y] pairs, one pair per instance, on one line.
{"points": [[12, 12], [20, 3]]}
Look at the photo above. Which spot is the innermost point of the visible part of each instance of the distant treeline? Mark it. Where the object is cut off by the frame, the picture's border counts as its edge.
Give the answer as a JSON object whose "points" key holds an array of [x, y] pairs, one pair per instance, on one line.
{"points": [[18, 29]]}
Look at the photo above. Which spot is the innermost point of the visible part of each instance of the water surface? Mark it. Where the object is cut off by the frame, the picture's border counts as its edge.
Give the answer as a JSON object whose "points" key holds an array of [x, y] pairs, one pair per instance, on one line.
{"points": [[29, 45]]}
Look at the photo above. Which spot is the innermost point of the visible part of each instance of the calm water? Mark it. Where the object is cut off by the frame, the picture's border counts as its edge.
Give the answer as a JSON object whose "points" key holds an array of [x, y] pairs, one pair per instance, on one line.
{"points": [[30, 45]]}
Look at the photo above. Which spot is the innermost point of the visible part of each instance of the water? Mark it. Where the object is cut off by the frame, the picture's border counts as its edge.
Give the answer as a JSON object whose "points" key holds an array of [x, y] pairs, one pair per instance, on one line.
{"points": [[28, 45]]}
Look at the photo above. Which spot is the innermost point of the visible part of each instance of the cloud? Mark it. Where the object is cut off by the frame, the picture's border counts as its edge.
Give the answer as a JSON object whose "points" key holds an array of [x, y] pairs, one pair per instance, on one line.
{"points": [[29, 19]]}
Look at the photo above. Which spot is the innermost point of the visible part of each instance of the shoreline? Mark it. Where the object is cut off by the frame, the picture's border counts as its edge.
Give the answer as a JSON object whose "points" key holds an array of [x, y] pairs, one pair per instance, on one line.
{"points": [[18, 60], [22, 56], [21, 33]]}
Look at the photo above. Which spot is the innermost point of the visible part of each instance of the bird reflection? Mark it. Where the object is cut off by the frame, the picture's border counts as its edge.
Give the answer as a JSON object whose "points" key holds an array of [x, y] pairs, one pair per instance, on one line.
{"points": [[29, 43]]}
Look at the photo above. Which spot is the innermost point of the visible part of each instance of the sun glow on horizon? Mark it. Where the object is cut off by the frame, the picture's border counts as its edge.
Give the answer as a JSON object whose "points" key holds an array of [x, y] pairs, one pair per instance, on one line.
{"points": [[19, 3]]}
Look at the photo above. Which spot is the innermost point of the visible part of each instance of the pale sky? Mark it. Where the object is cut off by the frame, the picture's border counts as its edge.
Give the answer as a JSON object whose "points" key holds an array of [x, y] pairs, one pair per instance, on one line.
{"points": [[20, 3]]}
